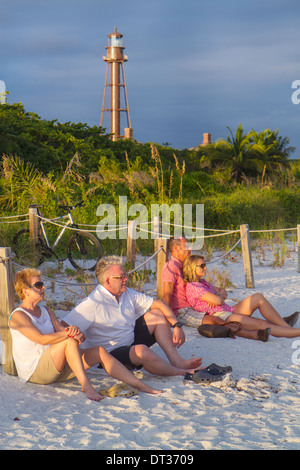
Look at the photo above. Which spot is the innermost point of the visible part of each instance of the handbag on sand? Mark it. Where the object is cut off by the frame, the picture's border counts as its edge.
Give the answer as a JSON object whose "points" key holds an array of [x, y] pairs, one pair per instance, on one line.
{"points": [[219, 331]]}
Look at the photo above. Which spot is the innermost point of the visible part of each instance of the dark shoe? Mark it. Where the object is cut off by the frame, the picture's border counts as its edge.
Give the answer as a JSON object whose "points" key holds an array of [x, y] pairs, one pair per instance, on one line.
{"points": [[214, 369], [263, 335], [202, 377], [292, 319]]}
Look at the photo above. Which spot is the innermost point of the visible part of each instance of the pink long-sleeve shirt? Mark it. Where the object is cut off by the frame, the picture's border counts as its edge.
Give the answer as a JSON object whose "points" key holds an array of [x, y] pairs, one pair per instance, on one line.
{"points": [[194, 293]]}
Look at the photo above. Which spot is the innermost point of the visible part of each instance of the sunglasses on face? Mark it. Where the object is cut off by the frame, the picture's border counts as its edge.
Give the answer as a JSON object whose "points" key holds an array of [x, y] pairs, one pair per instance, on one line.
{"points": [[202, 266], [37, 285]]}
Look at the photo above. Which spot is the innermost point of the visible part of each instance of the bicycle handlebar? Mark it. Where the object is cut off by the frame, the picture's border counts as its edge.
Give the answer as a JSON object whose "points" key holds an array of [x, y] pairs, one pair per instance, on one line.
{"points": [[70, 208]]}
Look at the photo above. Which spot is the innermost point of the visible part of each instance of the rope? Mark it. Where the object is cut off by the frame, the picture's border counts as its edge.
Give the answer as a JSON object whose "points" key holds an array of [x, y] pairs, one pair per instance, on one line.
{"points": [[217, 235], [109, 225], [123, 227], [223, 256], [63, 225], [145, 262], [272, 230], [202, 236], [13, 216], [20, 266], [93, 283], [15, 221], [195, 228], [120, 227]]}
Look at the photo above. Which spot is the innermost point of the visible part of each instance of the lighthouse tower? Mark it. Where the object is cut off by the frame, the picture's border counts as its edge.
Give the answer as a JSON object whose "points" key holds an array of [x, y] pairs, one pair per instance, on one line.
{"points": [[115, 64]]}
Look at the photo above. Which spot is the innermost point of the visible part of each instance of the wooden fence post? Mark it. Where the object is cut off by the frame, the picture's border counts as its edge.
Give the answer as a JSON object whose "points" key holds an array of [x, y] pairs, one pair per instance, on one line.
{"points": [[34, 226], [156, 227], [247, 258], [161, 259], [298, 243], [7, 305], [131, 243]]}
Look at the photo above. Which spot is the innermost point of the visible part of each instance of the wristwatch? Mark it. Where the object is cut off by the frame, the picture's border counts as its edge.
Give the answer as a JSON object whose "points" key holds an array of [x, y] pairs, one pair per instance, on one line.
{"points": [[177, 324]]}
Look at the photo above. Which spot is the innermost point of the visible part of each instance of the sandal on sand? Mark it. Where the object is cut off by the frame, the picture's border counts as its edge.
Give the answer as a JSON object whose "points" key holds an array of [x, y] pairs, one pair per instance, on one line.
{"points": [[214, 369], [263, 335], [119, 390], [291, 320], [202, 376]]}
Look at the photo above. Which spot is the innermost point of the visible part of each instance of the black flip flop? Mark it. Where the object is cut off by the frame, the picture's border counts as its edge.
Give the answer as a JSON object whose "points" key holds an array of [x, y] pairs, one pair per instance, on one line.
{"points": [[214, 369], [202, 376]]}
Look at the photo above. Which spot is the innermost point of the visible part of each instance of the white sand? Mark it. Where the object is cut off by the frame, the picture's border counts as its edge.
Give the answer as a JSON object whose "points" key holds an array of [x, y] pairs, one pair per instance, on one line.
{"points": [[256, 407]]}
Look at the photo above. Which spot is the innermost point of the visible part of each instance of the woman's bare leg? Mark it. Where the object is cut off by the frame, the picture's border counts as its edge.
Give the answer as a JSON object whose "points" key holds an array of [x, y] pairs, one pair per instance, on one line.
{"points": [[258, 301], [68, 350], [250, 323], [250, 326]]}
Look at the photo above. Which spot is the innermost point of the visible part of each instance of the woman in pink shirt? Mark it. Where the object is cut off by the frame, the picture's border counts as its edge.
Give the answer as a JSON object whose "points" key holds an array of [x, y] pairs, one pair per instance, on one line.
{"points": [[204, 297]]}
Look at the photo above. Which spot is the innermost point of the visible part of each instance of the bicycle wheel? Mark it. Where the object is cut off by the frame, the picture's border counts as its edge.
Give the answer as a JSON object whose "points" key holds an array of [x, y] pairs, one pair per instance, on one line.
{"points": [[25, 255], [84, 250]]}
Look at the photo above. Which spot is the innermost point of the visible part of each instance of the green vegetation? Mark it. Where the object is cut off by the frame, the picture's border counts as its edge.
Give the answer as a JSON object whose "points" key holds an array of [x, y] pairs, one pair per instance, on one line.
{"points": [[247, 179]]}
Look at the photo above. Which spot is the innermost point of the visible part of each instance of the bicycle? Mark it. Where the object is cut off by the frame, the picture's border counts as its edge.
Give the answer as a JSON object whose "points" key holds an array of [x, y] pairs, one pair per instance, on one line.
{"points": [[83, 248]]}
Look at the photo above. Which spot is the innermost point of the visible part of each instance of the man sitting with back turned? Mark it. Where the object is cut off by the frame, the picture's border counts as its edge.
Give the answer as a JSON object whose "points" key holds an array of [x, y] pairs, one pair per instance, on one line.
{"points": [[173, 286], [127, 323]]}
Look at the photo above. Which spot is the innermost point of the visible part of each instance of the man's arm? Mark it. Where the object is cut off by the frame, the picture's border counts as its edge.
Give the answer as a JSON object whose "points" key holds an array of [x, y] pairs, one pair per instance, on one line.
{"points": [[168, 293], [178, 334], [165, 309]]}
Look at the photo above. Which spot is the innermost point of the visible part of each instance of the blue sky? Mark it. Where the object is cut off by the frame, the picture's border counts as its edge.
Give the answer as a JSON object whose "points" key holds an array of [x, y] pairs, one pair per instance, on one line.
{"points": [[193, 67]]}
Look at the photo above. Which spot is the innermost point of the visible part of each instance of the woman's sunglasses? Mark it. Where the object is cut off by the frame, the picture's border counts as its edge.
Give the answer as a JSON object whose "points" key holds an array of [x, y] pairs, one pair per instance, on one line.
{"points": [[37, 285], [202, 266]]}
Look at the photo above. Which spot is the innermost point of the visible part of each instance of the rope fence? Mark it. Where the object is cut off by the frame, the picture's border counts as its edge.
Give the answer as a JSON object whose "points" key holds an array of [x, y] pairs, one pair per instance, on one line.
{"points": [[7, 302], [3, 220], [95, 228], [36, 221], [78, 284]]}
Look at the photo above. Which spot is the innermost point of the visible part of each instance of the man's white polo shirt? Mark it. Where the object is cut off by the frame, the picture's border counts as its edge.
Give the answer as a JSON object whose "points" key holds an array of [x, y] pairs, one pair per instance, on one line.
{"points": [[107, 322]]}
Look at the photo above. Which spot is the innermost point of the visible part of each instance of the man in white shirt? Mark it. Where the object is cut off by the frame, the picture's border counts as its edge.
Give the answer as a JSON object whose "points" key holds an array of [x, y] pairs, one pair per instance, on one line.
{"points": [[127, 323]]}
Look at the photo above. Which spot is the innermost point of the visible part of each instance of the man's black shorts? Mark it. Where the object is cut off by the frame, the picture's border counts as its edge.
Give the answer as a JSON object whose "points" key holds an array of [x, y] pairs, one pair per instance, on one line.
{"points": [[141, 336]]}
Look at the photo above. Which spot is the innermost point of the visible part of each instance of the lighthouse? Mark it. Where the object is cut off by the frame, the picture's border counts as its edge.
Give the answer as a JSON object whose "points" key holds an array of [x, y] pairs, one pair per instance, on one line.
{"points": [[115, 82]]}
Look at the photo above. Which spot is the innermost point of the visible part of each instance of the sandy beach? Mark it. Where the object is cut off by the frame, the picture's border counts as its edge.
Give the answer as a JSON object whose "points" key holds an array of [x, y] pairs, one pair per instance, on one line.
{"points": [[256, 407]]}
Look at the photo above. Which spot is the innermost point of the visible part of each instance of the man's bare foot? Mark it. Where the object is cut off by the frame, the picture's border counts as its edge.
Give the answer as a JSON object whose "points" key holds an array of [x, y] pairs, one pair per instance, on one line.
{"points": [[188, 364], [195, 363]]}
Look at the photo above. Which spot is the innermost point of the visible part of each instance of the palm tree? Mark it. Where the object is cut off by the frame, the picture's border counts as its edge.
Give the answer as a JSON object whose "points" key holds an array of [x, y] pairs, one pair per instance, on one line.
{"points": [[251, 154], [272, 149], [237, 153]]}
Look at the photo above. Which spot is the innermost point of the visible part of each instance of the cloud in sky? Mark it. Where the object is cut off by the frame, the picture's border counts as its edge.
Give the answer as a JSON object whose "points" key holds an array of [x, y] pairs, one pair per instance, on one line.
{"points": [[193, 66]]}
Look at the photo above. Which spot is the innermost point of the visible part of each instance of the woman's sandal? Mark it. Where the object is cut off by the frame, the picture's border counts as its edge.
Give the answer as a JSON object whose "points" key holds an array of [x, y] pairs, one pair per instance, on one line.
{"points": [[202, 376], [119, 390], [214, 369], [263, 335]]}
